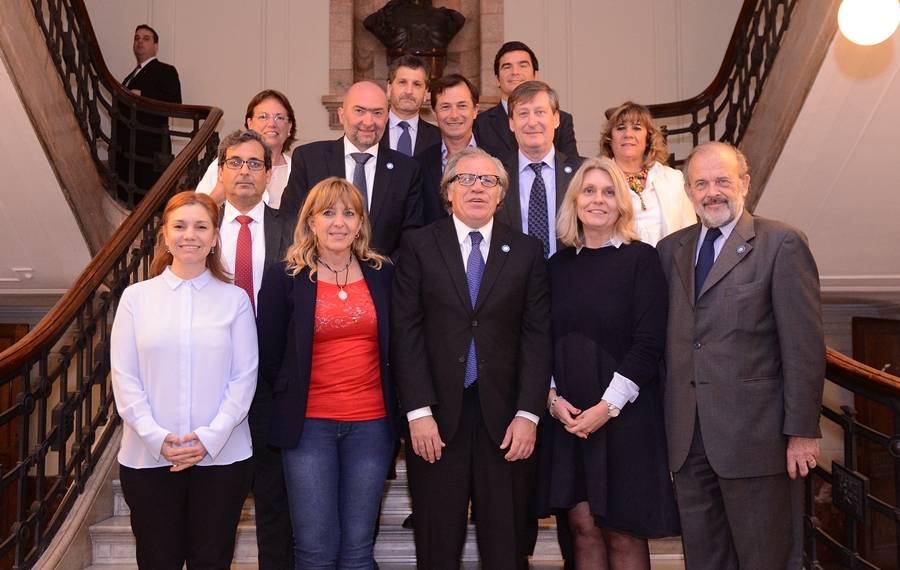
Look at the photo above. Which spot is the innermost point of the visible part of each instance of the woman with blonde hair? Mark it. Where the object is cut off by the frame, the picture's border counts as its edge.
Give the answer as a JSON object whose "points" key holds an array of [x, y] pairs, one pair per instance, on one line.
{"points": [[604, 459], [324, 321], [184, 365], [660, 204]]}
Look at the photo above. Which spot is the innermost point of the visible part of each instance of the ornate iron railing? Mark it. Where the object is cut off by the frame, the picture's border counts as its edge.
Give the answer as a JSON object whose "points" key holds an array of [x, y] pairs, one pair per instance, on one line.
{"points": [[833, 527], [722, 111], [131, 138], [61, 411]]}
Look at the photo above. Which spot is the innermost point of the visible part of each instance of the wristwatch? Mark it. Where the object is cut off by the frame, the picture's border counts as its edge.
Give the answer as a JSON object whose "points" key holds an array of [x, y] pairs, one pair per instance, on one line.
{"points": [[613, 410]]}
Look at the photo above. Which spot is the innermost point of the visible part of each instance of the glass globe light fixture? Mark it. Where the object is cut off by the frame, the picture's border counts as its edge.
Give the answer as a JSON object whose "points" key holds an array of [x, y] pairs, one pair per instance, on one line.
{"points": [[868, 22]]}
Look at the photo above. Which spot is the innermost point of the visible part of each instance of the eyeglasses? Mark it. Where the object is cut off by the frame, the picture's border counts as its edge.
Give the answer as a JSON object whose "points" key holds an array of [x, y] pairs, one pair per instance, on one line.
{"points": [[487, 180], [237, 163], [277, 119]]}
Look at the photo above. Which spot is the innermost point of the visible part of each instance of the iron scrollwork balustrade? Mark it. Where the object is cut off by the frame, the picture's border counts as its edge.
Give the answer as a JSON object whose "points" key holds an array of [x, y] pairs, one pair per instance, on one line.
{"points": [[853, 507], [60, 411], [722, 111], [118, 126]]}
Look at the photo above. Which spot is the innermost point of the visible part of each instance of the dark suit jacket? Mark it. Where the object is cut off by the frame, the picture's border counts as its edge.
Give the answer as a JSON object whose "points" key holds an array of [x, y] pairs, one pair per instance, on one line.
{"points": [[510, 211], [493, 134], [279, 233], [286, 323], [427, 135], [433, 324], [396, 203], [432, 171], [749, 358]]}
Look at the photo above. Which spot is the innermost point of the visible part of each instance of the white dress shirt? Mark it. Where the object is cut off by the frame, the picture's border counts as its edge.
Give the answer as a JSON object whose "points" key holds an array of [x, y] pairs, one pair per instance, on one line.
{"points": [[394, 131], [184, 359], [228, 235], [465, 248], [526, 180], [350, 166]]}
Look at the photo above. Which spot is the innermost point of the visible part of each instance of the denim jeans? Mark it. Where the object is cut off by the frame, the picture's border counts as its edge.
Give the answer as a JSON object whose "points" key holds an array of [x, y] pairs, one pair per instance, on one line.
{"points": [[335, 478]]}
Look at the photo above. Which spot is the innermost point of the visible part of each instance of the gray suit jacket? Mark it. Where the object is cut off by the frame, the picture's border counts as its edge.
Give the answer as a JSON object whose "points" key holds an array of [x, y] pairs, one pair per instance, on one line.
{"points": [[749, 358], [510, 211]]}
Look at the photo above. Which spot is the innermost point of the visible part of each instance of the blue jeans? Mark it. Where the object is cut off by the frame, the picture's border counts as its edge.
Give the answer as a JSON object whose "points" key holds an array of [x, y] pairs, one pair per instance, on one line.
{"points": [[335, 478]]}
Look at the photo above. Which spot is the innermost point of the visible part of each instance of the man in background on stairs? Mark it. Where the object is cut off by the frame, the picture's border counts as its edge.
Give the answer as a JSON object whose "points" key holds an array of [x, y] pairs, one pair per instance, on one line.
{"points": [[253, 236], [156, 80], [745, 363], [406, 87], [515, 64]]}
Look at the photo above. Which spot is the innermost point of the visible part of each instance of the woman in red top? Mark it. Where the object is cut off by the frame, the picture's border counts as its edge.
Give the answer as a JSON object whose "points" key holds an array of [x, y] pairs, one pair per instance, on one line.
{"points": [[323, 319]]}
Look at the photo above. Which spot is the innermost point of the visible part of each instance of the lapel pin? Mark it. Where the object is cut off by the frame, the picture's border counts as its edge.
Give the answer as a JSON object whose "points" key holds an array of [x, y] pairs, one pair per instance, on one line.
{"points": [[568, 169], [390, 165], [505, 248], [741, 249]]}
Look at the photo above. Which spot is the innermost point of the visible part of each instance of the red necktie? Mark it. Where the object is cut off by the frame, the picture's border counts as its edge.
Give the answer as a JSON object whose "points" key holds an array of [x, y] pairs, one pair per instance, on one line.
{"points": [[243, 259]]}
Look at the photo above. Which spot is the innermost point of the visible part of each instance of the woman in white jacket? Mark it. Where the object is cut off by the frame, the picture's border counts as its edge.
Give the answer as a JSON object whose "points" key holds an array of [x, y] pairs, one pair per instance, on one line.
{"points": [[661, 206]]}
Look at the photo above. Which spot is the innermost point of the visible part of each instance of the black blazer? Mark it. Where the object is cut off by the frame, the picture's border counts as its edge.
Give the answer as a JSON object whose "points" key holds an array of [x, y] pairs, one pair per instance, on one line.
{"points": [[432, 171], [158, 81], [396, 193], [433, 324], [510, 211], [493, 134], [427, 135], [286, 324]]}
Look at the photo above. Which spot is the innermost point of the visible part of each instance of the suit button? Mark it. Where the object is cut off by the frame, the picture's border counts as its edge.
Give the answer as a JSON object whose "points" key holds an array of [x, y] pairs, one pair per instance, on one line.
{"points": [[697, 345], [474, 323], [693, 384], [462, 358]]}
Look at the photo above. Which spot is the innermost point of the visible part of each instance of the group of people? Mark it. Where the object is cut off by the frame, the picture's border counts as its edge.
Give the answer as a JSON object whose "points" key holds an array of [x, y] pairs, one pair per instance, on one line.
{"points": [[550, 334]]}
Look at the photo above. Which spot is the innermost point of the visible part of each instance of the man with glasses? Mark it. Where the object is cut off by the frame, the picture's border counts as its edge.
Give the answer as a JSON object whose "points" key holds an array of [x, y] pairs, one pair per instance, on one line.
{"points": [[252, 237], [471, 354], [389, 181]]}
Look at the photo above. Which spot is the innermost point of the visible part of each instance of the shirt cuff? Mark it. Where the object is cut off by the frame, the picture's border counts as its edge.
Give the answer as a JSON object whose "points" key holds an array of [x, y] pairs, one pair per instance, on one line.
{"points": [[528, 416], [418, 413], [621, 391]]}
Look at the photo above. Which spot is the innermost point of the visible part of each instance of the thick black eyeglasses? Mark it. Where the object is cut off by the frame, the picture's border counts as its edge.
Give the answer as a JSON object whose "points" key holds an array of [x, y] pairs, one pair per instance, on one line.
{"points": [[487, 180], [252, 164]]}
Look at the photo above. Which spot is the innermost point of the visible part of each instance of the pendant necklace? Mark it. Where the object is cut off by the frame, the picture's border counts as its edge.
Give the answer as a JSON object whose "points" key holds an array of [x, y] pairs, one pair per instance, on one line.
{"points": [[342, 295], [634, 182]]}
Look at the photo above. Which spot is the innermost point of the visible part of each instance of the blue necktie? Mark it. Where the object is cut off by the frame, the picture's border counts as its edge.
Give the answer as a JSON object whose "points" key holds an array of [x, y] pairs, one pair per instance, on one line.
{"points": [[705, 260], [359, 175], [404, 144], [474, 272], [538, 223]]}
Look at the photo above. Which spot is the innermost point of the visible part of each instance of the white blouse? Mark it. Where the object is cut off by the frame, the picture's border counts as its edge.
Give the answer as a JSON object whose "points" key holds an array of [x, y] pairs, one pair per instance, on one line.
{"points": [[184, 359]]}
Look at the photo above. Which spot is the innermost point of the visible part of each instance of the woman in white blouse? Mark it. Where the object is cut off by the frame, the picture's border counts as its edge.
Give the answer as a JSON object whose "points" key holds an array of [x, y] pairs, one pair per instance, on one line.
{"points": [[661, 206], [184, 365], [270, 114]]}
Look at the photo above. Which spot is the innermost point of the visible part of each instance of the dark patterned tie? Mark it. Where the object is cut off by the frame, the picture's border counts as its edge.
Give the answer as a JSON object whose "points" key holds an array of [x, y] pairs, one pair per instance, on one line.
{"points": [[538, 222], [359, 175], [404, 143], [474, 272], [705, 260], [243, 259], [131, 76]]}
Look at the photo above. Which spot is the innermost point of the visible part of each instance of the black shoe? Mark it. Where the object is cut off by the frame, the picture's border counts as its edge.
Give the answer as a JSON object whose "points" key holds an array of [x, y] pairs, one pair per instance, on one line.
{"points": [[408, 522], [374, 565]]}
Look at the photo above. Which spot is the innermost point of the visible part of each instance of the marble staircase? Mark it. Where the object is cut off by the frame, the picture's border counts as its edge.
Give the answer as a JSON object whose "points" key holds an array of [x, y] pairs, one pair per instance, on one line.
{"points": [[113, 543]]}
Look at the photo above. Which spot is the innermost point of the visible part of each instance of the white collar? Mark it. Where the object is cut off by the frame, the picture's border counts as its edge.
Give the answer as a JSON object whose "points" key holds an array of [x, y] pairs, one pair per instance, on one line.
{"points": [[549, 159], [174, 281], [349, 148], [231, 212], [462, 230]]}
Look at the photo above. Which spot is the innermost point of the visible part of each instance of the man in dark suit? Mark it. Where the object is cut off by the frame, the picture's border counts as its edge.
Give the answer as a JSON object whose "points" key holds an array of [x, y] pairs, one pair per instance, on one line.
{"points": [[390, 182], [471, 355], [454, 100], [248, 224], [515, 64], [156, 80], [532, 202], [406, 87], [745, 363]]}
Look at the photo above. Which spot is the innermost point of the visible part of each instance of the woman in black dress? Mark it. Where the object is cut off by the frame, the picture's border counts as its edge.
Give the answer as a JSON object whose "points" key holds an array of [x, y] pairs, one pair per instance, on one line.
{"points": [[604, 460]]}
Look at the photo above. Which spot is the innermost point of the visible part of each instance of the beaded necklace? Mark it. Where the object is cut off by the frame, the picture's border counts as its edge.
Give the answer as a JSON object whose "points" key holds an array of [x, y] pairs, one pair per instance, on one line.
{"points": [[634, 182]]}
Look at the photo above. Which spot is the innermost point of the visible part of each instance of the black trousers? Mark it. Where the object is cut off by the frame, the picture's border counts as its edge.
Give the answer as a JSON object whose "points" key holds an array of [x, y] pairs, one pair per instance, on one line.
{"points": [[471, 467], [189, 516], [274, 534]]}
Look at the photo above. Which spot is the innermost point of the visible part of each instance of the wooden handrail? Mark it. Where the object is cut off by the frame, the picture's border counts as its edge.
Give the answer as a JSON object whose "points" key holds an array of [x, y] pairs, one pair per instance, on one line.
{"points": [[839, 366], [48, 330]]}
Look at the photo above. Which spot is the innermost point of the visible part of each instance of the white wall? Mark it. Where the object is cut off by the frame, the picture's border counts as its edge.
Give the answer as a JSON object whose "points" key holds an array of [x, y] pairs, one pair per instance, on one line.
{"points": [[596, 53]]}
